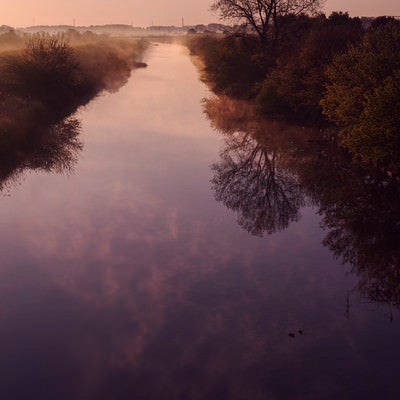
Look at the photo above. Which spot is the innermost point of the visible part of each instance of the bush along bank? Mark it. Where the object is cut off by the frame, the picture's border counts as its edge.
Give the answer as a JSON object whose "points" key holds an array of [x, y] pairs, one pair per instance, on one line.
{"points": [[55, 77]]}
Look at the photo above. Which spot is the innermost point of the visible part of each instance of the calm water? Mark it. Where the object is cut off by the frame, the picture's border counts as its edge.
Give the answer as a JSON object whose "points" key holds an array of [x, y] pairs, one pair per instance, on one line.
{"points": [[161, 267]]}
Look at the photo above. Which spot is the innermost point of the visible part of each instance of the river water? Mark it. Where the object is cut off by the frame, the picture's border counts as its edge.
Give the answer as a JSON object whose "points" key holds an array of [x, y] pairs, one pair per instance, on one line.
{"points": [[125, 278]]}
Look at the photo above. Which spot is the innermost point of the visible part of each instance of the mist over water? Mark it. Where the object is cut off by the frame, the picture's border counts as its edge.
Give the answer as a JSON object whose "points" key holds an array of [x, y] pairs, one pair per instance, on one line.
{"points": [[147, 272]]}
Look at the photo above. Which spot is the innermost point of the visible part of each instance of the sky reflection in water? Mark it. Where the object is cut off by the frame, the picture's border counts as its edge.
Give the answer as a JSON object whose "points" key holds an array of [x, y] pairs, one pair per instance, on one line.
{"points": [[126, 279]]}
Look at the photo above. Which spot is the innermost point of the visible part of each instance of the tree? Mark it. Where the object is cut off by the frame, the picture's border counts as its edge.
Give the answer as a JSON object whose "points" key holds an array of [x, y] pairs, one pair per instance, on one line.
{"points": [[263, 15], [295, 87], [363, 92]]}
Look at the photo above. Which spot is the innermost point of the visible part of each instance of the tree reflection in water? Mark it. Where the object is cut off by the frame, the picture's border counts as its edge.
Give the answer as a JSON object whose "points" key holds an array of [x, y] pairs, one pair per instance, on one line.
{"points": [[248, 181], [48, 147], [364, 231], [268, 171], [250, 177]]}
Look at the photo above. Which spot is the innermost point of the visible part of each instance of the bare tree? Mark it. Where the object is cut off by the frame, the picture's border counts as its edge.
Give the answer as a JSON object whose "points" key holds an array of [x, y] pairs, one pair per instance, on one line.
{"points": [[263, 15]]}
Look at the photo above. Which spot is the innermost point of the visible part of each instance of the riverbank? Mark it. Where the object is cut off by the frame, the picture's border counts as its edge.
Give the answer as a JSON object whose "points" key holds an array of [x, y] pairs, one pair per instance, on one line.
{"points": [[323, 72], [60, 73], [44, 83]]}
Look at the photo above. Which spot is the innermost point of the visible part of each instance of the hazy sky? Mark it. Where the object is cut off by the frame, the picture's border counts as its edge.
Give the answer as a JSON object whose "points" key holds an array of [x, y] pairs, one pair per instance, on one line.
{"points": [[143, 12]]}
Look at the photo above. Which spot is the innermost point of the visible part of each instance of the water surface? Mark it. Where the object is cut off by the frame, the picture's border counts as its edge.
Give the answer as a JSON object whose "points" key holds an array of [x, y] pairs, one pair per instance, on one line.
{"points": [[124, 278]]}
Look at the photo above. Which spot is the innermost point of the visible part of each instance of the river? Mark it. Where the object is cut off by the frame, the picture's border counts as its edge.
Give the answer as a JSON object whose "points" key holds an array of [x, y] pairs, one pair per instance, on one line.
{"points": [[124, 278]]}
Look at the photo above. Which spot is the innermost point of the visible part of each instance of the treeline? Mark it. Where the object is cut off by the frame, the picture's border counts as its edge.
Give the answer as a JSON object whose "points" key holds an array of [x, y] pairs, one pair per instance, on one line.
{"points": [[43, 82], [321, 70]]}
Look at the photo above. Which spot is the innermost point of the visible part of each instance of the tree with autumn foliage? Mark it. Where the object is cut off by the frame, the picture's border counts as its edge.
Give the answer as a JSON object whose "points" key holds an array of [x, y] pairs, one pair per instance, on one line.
{"points": [[363, 95]]}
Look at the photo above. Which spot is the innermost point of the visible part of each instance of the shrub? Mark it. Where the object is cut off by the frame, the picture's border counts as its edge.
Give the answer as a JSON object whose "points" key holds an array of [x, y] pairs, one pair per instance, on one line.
{"points": [[46, 71]]}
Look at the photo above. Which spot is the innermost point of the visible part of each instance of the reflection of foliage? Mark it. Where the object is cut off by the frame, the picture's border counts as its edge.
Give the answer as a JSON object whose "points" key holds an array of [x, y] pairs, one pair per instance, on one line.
{"points": [[249, 181], [267, 198], [50, 147], [364, 230], [265, 176]]}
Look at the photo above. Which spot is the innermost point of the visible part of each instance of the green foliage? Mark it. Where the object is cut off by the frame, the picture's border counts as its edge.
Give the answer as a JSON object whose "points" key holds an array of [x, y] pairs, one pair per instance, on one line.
{"points": [[362, 94], [376, 136]]}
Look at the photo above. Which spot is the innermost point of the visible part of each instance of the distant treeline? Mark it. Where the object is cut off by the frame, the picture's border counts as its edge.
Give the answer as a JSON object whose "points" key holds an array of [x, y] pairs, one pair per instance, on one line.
{"points": [[43, 80], [322, 70]]}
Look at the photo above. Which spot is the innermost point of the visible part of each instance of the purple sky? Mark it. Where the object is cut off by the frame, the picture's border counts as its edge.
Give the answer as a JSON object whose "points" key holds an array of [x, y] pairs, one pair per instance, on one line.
{"points": [[143, 13]]}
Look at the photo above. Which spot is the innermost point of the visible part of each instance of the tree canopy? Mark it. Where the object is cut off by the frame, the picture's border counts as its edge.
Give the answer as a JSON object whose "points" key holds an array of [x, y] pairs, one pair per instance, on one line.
{"points": [[263, 15], [362, 95]]}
